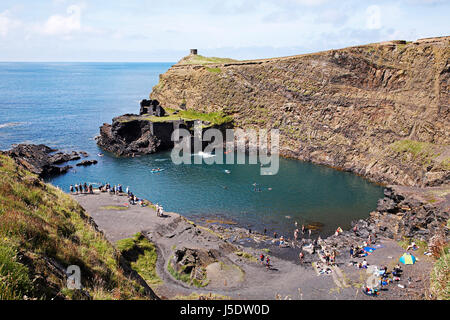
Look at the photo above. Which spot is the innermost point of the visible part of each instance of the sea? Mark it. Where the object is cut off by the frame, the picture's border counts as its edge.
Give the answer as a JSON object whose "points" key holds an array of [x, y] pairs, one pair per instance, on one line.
{"points": [[63, 106]]}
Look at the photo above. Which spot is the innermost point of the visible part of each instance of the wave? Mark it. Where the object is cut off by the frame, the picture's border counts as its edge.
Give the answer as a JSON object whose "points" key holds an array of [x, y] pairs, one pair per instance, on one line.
{"points": [[12, 124], [164, 159], [204, 154]]}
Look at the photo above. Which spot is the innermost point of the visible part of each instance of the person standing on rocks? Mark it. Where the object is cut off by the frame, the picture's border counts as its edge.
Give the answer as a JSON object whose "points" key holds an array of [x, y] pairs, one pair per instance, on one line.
{"points": [[71, 188]]}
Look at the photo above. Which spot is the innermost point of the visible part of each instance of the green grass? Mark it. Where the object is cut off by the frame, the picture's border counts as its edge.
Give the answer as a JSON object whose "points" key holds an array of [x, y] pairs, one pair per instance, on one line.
{"points": [[216, 118], [246, 255], [423, 245], [14, 279], [40, 223], [422, 152], [440, 276], [185, 277], [143, 256], [214, 70], [198, 59], [119, 208]]}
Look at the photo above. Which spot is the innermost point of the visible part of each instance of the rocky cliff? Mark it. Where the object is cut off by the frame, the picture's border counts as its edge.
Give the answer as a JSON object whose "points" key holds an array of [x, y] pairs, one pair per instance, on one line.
{"points": [[379, 110]]}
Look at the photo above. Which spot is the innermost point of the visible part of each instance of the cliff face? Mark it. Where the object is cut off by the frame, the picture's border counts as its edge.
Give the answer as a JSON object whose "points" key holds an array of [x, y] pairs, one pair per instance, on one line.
{"points": [[379, 110]]}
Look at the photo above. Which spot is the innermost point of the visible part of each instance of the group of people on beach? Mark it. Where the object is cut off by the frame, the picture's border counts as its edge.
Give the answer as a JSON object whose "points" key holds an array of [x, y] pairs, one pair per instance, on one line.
{"points": [[81, 188], [116, 189]]}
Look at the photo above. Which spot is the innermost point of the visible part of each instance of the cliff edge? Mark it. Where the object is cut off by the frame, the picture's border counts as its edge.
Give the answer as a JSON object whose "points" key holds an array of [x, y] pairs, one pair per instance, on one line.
{"points": [[379, 110]]}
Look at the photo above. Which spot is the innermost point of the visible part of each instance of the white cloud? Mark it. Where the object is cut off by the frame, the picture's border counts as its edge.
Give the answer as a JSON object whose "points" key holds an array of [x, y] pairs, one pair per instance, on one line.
{"points": [[310, 2], [373, 17], [64, 25], [7, 23]]}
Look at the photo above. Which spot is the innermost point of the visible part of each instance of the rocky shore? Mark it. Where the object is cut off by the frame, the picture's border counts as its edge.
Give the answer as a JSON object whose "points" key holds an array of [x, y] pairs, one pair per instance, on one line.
{"points": [[45, 161], [223, 261], [130, 135]]}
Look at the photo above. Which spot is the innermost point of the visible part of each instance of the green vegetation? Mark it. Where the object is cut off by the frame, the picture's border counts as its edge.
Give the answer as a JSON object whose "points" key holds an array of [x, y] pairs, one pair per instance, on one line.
{"points": [[246, 255], [186, 277], [142, 254], [423, 245], [213, 118], [197, 296], [198, 59], [40, 228], [422, 152], [14, 279], [119, 208], [214, 70], [440, 276]]}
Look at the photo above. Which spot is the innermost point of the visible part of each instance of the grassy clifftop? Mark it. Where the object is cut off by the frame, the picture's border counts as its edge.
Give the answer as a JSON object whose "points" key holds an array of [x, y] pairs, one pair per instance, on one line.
{"points": [[42, 232]]}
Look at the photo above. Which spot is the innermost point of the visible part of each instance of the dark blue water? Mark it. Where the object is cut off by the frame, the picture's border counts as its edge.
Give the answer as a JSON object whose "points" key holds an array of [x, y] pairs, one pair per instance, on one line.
{"points": [[64, 104]]}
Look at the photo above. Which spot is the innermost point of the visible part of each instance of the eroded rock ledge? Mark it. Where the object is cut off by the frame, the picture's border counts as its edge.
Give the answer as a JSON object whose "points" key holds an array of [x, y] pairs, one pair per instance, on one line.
{"points": [[43, 160]]}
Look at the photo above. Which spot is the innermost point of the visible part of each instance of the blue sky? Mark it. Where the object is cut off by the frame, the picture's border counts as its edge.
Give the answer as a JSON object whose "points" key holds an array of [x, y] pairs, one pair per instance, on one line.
{"points": [[147, 30]]}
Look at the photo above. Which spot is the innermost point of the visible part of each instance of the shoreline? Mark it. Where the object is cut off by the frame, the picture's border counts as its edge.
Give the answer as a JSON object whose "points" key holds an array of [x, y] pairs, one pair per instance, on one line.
{"points": [[176, 231]]}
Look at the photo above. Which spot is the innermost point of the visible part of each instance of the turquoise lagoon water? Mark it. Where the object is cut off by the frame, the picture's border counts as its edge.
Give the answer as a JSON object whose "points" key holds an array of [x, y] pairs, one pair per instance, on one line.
{"points": [[64, 104]]}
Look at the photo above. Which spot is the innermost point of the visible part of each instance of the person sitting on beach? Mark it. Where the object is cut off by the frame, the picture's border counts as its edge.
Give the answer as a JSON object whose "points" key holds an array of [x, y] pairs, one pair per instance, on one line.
{"points": [[281, 241], [412, 246], [396, 272], [141, 202], [364, 264], [352, 252]]}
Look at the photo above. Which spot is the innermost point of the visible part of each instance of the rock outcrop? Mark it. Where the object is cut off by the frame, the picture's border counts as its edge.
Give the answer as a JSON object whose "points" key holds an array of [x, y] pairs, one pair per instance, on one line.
{"points": [[43, 160], [86, 163], [378, 110], [130, 135]]}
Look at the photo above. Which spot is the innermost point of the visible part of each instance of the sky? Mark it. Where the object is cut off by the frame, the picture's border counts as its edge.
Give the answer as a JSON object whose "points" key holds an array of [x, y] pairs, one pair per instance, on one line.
{"points": [[164, 31]]}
